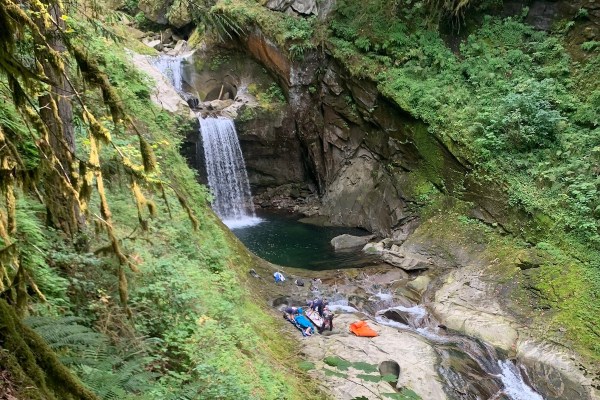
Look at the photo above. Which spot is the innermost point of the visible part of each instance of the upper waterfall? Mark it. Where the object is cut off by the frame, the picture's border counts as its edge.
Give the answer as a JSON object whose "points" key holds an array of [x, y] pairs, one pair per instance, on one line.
{"points": [[226, 170], [171, 68]]}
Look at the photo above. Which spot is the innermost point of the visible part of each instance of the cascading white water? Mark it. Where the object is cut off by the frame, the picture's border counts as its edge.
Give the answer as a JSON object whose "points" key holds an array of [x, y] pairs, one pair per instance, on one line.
{"points": [[226, 170], [171, 68], [514, 385]]}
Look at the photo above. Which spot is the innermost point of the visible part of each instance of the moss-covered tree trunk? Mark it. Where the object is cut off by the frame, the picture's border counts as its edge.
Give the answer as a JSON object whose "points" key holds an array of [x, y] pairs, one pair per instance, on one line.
{"points": [[29, 368], [57, 113]]}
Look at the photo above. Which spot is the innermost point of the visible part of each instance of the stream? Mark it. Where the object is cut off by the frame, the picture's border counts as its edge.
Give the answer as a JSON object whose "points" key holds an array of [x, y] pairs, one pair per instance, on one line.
{"points": [[469, 368]]}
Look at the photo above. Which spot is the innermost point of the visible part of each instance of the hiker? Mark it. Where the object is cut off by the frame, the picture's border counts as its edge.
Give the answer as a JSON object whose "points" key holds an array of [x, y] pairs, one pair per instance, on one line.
{"points": [[327, 322], [278, 277], [318, 305], [290, 312]]}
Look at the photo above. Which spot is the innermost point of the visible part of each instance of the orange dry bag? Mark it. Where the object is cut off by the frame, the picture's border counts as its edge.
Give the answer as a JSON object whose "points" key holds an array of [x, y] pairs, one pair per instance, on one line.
{"points": [[360, 328]]}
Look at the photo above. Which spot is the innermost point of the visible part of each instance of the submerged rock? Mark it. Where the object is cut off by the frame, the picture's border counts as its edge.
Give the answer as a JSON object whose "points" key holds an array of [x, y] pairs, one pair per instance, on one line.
{"points": [[373, 248], [419, 284], [346, 241]]}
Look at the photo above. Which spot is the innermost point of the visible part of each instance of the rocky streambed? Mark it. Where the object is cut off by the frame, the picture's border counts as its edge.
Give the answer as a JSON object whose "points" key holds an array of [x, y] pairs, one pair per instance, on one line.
{"points": [[447, 342]]}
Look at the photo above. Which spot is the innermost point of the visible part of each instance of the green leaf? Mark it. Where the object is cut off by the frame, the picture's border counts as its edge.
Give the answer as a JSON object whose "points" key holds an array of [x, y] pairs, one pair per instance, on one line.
{"points": [[337, 362]]}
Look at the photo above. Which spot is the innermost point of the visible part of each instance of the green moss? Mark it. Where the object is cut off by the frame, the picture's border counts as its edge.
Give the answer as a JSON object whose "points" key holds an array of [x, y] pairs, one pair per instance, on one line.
{"points": [[31, 357]]}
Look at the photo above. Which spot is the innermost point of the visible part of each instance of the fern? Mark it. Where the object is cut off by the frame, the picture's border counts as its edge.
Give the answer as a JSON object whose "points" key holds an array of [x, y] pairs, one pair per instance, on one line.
{"points": [[100, 365]]}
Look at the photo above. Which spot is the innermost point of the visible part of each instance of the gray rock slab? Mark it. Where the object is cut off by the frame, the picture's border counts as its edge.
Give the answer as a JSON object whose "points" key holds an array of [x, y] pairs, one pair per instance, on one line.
{"points": [[349, 241]]}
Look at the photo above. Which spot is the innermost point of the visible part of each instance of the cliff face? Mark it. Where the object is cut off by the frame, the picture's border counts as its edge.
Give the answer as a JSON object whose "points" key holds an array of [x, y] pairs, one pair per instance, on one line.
{"points": [[360, 149], [371, 162]]}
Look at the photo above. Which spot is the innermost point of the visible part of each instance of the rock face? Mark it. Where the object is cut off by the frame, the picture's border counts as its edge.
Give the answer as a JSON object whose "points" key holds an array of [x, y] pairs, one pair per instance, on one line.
{"points": [[303, 7], [164, 95], [359, 149], [349, 241]]}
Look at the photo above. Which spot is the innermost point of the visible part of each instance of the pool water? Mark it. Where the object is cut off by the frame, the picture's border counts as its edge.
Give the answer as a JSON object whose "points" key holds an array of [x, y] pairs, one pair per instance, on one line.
{"points": [[281, 239]]}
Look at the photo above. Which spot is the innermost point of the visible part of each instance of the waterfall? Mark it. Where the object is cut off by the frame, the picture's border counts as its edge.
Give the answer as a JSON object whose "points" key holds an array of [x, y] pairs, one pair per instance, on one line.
{"points": [[227, 176], [171, 68]]}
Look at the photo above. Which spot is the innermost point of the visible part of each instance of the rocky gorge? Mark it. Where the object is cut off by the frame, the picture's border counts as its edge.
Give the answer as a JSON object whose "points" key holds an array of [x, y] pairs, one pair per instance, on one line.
{"points": [[339, 151]]}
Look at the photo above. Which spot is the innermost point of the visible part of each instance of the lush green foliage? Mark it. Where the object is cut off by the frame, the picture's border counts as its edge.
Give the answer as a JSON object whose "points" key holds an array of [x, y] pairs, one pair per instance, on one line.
{"points": [[509, 100], [194, 333]]}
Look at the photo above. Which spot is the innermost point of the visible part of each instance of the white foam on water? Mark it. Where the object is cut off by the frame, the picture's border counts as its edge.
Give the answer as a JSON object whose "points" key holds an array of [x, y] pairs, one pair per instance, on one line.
{"points": [[342, 308], [171, 69], [339, 302], [388, 322], [242, 222], [387, 297], [417, 310], [514, 386]]}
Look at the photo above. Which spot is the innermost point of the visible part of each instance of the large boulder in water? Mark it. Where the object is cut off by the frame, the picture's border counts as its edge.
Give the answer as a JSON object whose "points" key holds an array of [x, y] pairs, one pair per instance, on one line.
{"points": [[397, 316], [346, 241]]}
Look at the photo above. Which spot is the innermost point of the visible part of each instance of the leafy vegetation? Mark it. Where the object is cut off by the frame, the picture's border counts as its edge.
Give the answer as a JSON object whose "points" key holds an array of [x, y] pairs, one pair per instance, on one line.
{"points": [[509, 100], [153, 310]]}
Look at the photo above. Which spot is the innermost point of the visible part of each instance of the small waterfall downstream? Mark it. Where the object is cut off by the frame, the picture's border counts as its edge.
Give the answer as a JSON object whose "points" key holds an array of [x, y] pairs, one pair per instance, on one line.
{"points": [[472, 369], [226, 170]]}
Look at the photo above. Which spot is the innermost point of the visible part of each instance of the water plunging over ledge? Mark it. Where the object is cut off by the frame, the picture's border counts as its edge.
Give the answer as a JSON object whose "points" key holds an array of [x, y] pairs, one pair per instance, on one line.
{"points": [[171, 68], [226, 171]]}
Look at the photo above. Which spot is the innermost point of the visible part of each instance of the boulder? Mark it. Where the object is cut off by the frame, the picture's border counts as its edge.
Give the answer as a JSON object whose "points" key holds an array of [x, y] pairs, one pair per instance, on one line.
{"points": [[373, 248], [166, 36], [306, 7], [390, 368], [348, 241], [408, 263], [155, 10], [155, 44], [179, 14], [179, 48], [219, 104], [419, 284], [279, 5], [397, 316]]}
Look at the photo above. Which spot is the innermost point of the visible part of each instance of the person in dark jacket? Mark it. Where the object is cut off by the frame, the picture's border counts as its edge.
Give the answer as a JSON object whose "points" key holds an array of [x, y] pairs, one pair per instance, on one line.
{"points": [[319, 305]]}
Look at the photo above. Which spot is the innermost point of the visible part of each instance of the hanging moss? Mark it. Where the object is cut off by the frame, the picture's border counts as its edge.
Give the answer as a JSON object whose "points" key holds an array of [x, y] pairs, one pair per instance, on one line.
{"points": [[148, 157]]}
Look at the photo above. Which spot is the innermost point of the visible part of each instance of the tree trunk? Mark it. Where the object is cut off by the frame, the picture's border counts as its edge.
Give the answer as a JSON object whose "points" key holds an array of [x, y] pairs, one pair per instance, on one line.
{"points": [[57, 113]]}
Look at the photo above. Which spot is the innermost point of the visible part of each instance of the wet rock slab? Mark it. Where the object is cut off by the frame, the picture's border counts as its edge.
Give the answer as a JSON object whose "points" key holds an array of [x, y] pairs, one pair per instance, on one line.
{"points": [[416, 358]]}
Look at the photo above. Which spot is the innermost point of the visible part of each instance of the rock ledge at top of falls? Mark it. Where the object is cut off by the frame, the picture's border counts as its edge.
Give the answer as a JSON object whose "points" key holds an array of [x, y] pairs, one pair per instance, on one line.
{"points": [[164, 94]]}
